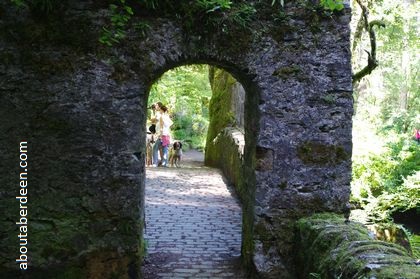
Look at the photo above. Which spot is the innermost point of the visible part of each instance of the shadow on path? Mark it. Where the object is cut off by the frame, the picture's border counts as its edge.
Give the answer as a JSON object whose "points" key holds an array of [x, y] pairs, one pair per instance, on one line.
{"points": [[193, 223]]}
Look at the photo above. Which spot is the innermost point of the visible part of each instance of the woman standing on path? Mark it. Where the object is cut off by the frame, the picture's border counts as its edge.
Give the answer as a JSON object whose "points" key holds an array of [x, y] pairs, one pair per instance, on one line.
{"points": [[163, 125]]}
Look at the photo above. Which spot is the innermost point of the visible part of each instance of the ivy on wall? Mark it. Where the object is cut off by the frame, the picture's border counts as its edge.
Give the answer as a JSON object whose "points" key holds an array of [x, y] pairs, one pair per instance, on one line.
{"points": [[121, 13], [214, 14], [220, 15]]}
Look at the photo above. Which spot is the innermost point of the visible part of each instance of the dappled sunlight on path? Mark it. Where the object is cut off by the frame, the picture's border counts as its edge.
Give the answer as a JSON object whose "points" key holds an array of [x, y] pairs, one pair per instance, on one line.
{"points": [[193, 223]]}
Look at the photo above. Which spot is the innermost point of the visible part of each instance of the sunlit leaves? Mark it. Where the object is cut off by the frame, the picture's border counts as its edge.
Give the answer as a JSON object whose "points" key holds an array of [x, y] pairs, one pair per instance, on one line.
{"points": [[386, 157], [332, 5], [186, 92]]}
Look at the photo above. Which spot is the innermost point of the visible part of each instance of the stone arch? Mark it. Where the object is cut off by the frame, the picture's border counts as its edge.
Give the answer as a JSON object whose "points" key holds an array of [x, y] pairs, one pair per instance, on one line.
{"points": [[251, 115], [294, 144], [82, 110]]}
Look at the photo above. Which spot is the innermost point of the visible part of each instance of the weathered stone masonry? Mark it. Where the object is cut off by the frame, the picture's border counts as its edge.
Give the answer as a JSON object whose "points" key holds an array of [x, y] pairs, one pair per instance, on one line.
{"points": [[81, 107]]}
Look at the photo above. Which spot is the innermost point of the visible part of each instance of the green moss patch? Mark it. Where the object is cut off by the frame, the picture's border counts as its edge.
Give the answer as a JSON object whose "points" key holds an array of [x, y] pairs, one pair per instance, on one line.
{"points": [[332, 248], [221, 102], [314, 153], [286, 72]]}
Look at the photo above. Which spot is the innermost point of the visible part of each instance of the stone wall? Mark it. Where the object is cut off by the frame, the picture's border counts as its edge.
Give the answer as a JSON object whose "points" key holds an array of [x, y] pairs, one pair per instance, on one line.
{"points": [[226, 152], [330, 248], [238, 101], [225, 147], [221, 114], [81, 107], [82, 125]]}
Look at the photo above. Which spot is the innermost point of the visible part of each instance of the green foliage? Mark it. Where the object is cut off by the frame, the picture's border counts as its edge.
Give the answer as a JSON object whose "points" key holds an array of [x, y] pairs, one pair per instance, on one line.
{"points": [[205, 15], [386, 158], [332, 5], [142, 27], [385, 172], [214, 5], [221, 14], [243, 14], [121, 13], [191, 129], [415, 245], [18, 3], [186, 91], [400, 66], [406, 197], [387, 179]]}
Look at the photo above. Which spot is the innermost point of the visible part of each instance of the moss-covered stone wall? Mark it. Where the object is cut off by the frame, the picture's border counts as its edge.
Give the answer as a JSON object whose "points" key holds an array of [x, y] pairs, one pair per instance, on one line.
{"points": [[328, 247], [225, 148], [220, 107], [81, 106], [226, 153]]}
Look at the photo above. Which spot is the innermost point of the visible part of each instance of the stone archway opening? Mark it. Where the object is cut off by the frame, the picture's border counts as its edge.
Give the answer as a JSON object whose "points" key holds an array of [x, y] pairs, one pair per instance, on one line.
{"points": [[82, 107], [195, 222]]}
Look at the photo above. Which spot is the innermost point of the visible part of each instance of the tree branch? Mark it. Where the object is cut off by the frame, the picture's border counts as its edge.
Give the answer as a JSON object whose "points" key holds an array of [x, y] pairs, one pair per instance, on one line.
{"points": [[358, 33], [368, 26]]}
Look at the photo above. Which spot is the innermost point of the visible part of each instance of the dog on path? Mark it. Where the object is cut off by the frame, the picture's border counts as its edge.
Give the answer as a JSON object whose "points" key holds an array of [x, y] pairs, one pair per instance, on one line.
{"points": [[175, 154], [149, 149]]}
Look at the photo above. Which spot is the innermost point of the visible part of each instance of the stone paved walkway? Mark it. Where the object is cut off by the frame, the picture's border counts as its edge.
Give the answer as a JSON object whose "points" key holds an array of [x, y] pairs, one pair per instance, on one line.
{"points": [[193, 224]]}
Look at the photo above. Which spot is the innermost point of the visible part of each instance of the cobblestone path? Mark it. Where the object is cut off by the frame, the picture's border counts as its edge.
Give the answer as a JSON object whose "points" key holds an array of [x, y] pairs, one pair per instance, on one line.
{"points": [[193, 224]]}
